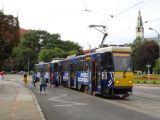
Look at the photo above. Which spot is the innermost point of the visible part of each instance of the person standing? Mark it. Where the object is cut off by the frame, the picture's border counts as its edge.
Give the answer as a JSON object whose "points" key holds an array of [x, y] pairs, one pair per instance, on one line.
{"points": [[25, 79], [42, 83], [38, 76], [34, 79], [1, 76], [47, 77], [52, 79]]}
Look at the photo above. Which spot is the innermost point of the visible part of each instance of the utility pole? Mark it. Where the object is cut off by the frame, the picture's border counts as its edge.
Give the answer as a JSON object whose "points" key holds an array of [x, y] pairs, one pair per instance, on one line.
{"points": [[103, 31]]}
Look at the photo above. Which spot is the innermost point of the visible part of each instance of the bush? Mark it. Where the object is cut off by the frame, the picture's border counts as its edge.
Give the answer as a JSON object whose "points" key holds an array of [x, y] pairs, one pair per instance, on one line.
{"points": [[154, 82], [138, 81]]}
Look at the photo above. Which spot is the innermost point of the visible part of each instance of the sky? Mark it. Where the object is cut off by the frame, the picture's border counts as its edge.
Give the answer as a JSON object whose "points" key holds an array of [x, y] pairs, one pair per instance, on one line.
{"points": [[71, 18]]}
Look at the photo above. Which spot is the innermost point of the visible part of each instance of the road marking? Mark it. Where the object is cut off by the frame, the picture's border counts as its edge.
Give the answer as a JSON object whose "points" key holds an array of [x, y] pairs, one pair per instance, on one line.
{"points": [[68, 103], [57, 97]]}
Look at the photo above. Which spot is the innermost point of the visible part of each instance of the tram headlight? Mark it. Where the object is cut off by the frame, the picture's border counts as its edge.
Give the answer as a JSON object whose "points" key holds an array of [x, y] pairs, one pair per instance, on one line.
{"points": [[117, 81], [130, 81]]}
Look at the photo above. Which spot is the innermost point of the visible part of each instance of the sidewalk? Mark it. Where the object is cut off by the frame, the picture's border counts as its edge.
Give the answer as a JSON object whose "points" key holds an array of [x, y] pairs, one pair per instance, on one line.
{"points": [[17, 102]]}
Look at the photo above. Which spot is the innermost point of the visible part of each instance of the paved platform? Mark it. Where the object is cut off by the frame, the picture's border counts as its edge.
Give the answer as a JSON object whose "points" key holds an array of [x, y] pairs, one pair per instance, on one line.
{"points": [[17, 102]]}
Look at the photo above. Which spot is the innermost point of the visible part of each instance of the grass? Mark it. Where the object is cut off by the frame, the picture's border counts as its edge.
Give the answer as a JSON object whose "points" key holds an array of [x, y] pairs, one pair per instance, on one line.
{"points": [[146, 79]]}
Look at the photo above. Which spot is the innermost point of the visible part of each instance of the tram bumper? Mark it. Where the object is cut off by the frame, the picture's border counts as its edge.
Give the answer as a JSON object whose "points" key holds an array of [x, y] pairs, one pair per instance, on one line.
{"points": [[123, 91]]}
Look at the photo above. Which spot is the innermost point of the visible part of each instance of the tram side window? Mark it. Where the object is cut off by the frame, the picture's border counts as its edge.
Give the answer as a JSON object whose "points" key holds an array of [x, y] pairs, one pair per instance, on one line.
{"points": [[64, 66], [86, 66], [80, 66], [56, 66], [109, 62]]}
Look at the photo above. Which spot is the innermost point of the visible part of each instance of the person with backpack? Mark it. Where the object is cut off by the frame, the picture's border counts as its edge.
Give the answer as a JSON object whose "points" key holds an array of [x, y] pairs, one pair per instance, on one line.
{"points": [[42, 83]]}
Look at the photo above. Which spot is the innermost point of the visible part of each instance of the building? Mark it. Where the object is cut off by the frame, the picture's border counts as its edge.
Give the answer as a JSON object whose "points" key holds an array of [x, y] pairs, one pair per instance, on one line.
{"points": [[23, 31], [139, 26], [140, 30]]}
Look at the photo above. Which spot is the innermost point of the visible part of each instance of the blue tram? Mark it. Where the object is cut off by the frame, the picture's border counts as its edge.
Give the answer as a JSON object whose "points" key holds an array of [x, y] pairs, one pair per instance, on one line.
{"points": [[107, 71]]}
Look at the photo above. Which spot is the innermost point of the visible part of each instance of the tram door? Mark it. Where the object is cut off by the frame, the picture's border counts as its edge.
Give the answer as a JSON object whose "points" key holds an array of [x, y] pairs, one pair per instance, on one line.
{"points": [[94, 75], [72, 75]]}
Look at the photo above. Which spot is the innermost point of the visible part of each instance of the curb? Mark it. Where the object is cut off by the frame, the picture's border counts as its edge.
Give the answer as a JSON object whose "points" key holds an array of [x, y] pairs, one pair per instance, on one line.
{"points": [[146, 85], [38, 106]]}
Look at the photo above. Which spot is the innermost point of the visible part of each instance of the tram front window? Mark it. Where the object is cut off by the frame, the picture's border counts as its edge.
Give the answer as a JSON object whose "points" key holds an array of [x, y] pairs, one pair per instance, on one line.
{"points": [[107, 62], [122, 62]]}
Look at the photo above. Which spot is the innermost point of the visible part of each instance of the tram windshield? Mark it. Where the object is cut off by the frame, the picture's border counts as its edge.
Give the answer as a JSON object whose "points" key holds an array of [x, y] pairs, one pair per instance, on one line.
{"points": [[122, 62]]}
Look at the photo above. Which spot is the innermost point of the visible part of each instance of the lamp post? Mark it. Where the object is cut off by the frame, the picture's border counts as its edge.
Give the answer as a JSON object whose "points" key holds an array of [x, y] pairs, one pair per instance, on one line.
{"points": [[157, 36]]}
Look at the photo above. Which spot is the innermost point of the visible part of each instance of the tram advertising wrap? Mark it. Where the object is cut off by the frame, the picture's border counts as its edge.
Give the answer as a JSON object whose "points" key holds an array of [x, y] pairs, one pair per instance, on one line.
{"points": [[106, 71]]}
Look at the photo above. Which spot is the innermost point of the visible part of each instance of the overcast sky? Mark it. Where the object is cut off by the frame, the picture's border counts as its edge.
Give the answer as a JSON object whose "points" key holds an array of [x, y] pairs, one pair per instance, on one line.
{"points": [[71, 21]]}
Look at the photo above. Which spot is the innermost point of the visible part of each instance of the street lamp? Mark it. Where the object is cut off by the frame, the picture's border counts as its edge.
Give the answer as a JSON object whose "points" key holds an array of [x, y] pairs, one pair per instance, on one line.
{"points": [[157, 34]]}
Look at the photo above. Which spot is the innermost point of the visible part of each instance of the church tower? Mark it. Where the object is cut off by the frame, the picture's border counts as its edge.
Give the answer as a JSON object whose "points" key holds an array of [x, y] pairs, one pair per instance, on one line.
{"points": [[139, 26]]}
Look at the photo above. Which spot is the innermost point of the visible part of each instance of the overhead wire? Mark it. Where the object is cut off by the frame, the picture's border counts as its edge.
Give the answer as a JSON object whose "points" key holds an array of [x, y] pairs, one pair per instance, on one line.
{"points": [[153, 20], [126, 30], [123, 11], [97, 12]]}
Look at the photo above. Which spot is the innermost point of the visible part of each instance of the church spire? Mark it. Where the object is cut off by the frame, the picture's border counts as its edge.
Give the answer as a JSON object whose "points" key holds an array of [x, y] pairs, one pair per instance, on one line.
{"points": [[139, 26]]}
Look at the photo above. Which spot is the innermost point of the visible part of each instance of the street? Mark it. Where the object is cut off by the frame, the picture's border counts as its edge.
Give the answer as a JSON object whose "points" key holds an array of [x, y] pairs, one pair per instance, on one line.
{"points": [[66, 104], [62, 103]]}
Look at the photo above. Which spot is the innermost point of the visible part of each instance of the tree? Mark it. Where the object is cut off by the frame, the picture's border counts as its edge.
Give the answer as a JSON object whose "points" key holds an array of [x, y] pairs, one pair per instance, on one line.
{"points": [[143, 53], [137, 62], [149, 53], [9, 35], [44, 47], [45, 55], [23, 56], [157, 66]]}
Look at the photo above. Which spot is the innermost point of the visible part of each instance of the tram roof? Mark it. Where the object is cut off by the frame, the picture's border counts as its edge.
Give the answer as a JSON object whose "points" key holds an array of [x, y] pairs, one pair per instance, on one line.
{"points": [[40, 63], [114, 49], [56, 61]]}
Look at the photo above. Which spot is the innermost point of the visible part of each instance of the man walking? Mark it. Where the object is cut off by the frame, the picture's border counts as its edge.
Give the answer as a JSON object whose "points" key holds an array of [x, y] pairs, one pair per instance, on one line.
{"points": [[42, 83]]}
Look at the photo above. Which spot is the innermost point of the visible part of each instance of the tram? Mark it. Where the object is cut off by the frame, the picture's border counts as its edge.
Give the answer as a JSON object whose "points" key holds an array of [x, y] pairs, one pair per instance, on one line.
{"points": [[107, 71]]}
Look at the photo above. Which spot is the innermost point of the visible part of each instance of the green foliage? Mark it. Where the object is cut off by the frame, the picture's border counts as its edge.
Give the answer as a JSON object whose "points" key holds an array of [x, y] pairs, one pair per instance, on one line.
{"points": [[48, 54], [45, 55], [157, 66], [149, 52], [58, 52], [143, 53], [137, 44], [23, 56], [9, 35], [43, 47]]}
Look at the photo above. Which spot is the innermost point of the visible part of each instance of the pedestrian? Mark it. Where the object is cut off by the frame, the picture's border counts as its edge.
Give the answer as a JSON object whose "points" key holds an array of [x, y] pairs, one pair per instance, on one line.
{"points": [[34, 79], [56, 79], [42, 83], [47, 77], [1, 76], [25, 79], [38, 76], [52, 79]]}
